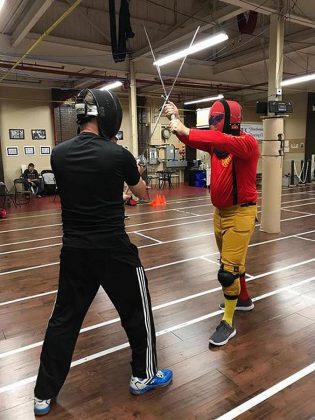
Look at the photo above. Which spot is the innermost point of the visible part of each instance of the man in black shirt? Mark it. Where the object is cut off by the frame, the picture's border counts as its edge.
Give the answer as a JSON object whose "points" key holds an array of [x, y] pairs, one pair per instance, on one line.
{"points": [[31, 180], [90, 172]]}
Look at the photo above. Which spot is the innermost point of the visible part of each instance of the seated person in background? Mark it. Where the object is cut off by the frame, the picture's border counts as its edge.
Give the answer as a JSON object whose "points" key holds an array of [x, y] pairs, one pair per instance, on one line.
{"points": [[31, 180]]}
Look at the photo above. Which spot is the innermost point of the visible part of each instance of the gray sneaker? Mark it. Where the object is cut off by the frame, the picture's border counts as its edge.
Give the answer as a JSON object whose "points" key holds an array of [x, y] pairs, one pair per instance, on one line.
{"points": [[222, 334], [242, 305]]}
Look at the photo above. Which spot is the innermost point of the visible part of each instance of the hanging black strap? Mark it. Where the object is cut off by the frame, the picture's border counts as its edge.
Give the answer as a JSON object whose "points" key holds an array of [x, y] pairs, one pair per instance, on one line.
{"points": [[119, 50], [227, 117], [125, 30], [234, 188], [112, 25], [228, 127]]}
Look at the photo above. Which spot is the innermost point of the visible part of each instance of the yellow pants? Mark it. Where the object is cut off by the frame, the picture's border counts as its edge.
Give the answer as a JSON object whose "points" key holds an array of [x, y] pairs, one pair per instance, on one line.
{"points": [[233, 228]]}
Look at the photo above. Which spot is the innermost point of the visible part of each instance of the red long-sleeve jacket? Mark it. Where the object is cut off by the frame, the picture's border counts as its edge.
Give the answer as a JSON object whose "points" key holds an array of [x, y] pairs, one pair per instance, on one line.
{"points": [[243, 153]]}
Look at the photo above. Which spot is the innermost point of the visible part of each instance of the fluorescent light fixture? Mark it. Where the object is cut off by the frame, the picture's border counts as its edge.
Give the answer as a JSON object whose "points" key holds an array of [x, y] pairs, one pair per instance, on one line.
{"points": [[111, 85], [299, 79], [211, 98], [198, 46], [1, 3]]}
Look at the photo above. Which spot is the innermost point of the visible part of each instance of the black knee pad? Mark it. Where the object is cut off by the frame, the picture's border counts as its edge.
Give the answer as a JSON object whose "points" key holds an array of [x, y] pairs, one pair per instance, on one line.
{"points": [[226, 278]]}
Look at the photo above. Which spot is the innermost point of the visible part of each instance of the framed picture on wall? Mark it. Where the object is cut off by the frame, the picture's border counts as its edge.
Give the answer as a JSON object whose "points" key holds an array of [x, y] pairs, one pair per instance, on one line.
{"points": [[38, 134], [45, 150], [16, 133], [12, 151], [29, 150], [120, 135]]}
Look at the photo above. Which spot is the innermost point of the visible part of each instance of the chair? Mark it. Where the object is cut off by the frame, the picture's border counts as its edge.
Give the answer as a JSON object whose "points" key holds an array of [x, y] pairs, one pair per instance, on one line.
{"points": [[164, 177], [49, 182], [150, 179], [175, 177], [21, 195], [5, 197]]}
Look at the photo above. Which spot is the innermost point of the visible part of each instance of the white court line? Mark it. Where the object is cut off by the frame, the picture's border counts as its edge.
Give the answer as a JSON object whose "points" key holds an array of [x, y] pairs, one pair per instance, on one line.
{"points": [[304, 296], [163, 265], [60, 224], [305, 239], [128, 232], [158, 242], [299, 205], [170, 303], [161, 221], [296, 211], [201, 235], [263, 396], [217, 262], [148, 237], [294, 218], [208, 219], [211, 261], [30, 217], [29, 249], [32, 240], [33, 267], [132, 225], [177, 327], [30, 228], [28, 297], [187, 212], [178, 201], [149, 212], [212, 233], [59, 213]]}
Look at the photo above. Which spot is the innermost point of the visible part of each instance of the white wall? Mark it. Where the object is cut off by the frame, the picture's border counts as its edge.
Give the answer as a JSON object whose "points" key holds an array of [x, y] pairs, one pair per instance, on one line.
{"points": [[25, 109]]}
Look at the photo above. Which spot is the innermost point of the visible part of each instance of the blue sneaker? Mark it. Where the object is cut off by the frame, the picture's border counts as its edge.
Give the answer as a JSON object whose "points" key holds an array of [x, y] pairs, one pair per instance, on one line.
{"points": [[41, 407], [162, 378]]}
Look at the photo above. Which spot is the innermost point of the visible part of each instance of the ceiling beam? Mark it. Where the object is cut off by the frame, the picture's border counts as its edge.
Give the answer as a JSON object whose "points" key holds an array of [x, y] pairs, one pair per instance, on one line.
{"points": [[186, 32], [92, 11], [70, 42], [256, 54], [30, 18], [266, 10]]}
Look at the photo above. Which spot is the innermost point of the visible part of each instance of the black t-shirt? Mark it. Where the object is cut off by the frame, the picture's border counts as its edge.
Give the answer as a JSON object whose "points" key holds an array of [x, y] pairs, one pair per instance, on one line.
{"points": [[90, 172], [27, 174]]}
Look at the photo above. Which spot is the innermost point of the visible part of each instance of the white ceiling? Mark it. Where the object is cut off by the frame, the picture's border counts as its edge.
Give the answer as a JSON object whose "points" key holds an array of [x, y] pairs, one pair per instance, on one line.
{"points": [[78, 52]]}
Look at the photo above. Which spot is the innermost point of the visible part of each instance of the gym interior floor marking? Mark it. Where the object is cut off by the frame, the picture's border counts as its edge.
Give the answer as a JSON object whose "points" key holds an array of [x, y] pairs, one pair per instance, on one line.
{"points": [[97, 355], [263, 396], [149, 268], [176, 301]]}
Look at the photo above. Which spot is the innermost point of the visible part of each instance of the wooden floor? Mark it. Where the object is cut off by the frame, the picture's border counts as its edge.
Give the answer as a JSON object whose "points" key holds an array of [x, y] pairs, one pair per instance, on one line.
{"points": [[178, 250]]}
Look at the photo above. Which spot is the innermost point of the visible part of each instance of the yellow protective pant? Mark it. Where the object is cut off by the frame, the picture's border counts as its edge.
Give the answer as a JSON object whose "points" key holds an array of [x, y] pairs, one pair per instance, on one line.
{"points": [[233, 227]]}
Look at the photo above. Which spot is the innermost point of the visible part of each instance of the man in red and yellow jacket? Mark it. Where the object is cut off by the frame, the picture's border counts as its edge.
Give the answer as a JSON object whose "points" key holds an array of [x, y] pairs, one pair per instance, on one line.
{"points": [[234, 157]]}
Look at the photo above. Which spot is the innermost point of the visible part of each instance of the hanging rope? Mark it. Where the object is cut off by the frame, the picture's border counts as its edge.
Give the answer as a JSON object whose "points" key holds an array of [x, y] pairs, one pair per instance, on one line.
{"points": [[299, 176]]}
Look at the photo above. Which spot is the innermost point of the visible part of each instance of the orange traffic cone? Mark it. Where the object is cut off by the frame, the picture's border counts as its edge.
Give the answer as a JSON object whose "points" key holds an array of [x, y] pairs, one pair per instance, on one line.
{"points": [[154, 202]]}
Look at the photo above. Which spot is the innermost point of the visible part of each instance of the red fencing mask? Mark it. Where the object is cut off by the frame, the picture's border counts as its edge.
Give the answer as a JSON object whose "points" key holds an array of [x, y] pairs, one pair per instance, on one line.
{"points": [[226, 116]]}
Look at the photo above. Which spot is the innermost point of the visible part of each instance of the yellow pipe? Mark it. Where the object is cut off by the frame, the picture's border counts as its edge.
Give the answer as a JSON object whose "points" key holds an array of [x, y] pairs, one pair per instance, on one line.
{"points": [[51, 28]]}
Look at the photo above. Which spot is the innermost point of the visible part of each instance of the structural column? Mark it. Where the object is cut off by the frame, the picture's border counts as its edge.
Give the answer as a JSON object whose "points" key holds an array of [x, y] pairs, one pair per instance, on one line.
{"points": [[133, 110], [273, 126]]}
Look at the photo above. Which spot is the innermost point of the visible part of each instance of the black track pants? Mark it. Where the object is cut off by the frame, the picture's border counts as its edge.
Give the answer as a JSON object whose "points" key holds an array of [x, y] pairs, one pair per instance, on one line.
{"points": [[82, 271]]}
